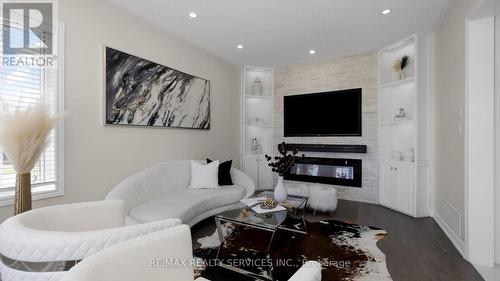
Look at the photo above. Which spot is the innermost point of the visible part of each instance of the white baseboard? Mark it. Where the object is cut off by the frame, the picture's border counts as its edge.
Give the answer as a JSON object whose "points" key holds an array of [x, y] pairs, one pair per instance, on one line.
{"points": [[489, 273], [457, 242]]}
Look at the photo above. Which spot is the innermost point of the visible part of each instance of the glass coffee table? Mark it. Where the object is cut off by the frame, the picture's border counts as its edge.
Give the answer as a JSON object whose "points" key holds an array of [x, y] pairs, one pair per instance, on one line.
{"points": [[291, 219]]}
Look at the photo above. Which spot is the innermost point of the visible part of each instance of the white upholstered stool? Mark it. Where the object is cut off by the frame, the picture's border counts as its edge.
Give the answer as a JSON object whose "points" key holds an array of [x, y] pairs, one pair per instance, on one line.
{"points": [[322, 198]]}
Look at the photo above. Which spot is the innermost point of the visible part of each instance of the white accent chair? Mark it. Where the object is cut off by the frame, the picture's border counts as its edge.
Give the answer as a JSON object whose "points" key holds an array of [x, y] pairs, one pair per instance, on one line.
{"points": [[310, 271], [41, 243], [143, 259], [161, 191]]}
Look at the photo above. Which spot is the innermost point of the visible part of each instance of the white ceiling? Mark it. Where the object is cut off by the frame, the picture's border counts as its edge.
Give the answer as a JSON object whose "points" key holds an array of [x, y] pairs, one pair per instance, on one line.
{"points": [[280, 32]]}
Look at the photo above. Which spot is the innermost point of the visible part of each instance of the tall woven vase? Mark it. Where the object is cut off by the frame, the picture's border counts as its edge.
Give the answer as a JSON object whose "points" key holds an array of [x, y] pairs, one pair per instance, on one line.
{"points": [[23, 193]]}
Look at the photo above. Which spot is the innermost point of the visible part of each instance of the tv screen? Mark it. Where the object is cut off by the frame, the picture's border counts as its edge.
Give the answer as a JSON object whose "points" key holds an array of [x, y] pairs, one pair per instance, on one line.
{"points": [[335, 113]]}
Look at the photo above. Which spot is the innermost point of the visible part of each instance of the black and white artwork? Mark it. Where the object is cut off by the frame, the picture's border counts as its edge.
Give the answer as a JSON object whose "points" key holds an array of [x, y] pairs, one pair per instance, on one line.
{"points": [[143, 93]]}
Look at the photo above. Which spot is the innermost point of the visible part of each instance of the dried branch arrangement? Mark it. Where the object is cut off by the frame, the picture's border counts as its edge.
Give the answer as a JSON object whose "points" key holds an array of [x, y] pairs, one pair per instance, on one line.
{"points": [[282, 163]]}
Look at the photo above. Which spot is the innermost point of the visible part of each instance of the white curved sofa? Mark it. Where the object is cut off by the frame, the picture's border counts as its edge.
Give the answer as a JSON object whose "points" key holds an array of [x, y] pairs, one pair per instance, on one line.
{"points": [[40, 244], [161, 256], [161, 191]]}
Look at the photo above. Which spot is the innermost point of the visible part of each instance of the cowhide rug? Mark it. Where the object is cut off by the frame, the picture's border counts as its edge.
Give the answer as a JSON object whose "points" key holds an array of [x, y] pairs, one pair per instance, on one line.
{"points": [[346, 251]]}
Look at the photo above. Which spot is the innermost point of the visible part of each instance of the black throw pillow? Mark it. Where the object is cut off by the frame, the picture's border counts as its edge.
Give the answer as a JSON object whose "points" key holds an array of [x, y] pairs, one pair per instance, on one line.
{"points": [[224, 172]]}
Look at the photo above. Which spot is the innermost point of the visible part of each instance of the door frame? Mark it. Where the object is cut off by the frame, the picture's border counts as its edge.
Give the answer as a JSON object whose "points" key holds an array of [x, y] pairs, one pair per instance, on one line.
{"points": [[480, 136]]}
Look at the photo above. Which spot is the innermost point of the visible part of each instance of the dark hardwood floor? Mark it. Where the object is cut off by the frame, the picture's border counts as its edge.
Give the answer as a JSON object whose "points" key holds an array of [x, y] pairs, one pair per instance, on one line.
{"points": [[415, 249]]}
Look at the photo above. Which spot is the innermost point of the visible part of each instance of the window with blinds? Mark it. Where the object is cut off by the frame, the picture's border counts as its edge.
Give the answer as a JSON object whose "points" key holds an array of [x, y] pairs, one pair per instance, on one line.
{"points": [[20, 87]]}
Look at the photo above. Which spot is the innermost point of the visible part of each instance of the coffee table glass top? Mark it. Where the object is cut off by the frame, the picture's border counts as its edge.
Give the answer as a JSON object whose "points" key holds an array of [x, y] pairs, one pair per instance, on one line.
{"points": [[270, 221]]}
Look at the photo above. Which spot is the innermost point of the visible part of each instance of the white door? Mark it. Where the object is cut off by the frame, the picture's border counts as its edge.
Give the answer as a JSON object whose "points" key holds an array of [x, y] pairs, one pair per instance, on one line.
{"points": [[252, 168], [387, 184], [265, 174], [404, 187]]}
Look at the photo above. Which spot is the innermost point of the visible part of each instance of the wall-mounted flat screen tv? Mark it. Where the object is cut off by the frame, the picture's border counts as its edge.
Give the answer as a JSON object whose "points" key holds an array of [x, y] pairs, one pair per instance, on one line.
{"points": [[336, 113]]}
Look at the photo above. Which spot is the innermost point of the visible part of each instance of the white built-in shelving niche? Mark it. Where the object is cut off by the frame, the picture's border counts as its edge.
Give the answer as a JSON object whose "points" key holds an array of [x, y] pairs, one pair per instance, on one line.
{"points": [[257, 122], [403, 183]]}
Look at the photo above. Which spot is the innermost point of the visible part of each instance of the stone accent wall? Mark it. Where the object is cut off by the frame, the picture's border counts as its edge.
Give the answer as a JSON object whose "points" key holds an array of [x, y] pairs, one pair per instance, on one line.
{"points": [[358, 71]]}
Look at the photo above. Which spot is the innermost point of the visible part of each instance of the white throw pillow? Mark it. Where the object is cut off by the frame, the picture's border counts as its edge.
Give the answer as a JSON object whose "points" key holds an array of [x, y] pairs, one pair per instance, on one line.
{"points": [[204, 176]]}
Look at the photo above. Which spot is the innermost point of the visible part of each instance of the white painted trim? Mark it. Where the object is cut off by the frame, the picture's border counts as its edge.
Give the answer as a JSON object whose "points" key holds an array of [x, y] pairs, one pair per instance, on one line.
{"points": [[242, 118], [457, 242], [8, 200], [488, 273], [482, 9], [431, 84], [497, 141], [244, 125], [479, 196], [60, 130], [422, 193], [465, 131], [399, 43]]}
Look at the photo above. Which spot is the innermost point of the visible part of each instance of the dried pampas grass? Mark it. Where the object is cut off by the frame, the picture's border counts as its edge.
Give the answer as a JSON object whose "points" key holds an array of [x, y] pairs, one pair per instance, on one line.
{"points": [[23, 134], [401, 64]]}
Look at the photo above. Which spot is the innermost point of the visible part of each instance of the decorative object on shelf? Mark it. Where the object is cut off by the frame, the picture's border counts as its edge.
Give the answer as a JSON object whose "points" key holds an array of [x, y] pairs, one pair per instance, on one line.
{"points": [[401, 115], [280, 165], [23, 138], [143, 93], [256, 121], [257, 87], [256, 148], [400, 66], [396, 155], [408, 155]]}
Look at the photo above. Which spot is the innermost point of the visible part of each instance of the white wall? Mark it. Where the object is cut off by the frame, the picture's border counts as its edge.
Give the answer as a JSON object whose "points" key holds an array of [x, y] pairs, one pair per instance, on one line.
{"points": [[98, 157], [450, 101]]}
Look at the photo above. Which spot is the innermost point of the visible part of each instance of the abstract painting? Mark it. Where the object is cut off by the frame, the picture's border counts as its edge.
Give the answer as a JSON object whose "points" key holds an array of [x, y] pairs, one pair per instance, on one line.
{"points": [[143, 93]]}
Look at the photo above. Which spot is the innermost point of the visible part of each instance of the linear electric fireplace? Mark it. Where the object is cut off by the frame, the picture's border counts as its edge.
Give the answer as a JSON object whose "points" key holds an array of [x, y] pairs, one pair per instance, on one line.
{"points": [[335, 171]]}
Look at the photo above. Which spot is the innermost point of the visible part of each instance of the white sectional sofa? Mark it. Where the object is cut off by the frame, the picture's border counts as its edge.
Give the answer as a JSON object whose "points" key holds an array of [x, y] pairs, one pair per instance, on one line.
{"points": [[161, 191]]}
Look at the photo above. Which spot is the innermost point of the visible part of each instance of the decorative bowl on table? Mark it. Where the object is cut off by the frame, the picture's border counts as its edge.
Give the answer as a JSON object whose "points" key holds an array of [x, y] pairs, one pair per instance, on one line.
{"points": [[268, 204]]}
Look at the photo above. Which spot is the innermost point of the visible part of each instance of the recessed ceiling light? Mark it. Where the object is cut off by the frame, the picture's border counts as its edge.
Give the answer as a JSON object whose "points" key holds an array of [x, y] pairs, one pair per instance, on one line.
{"points": [[193, 15], [239, 46], [312, 52], [386, 11]]}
